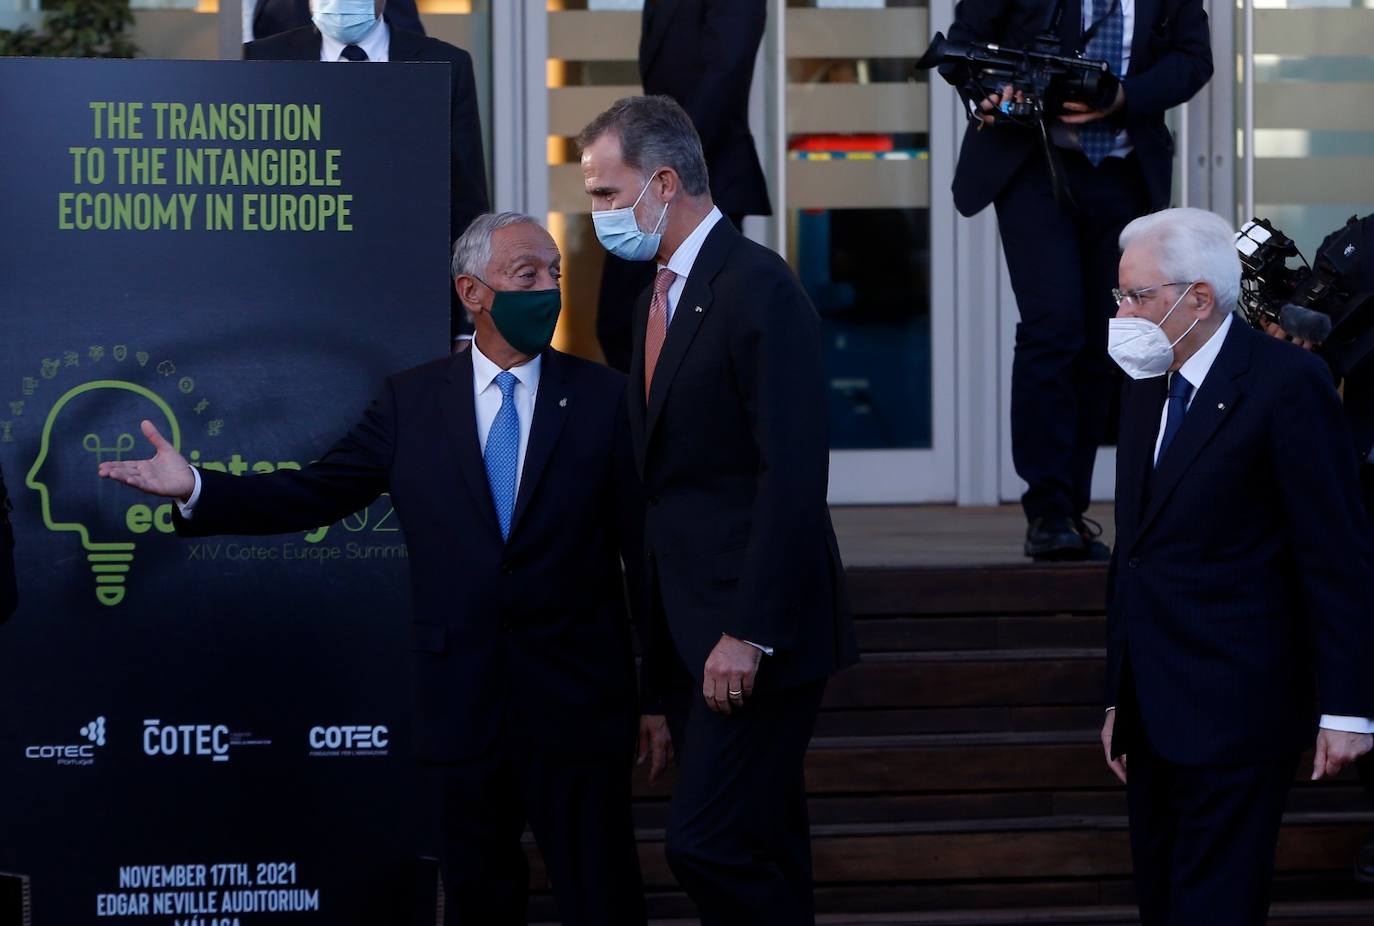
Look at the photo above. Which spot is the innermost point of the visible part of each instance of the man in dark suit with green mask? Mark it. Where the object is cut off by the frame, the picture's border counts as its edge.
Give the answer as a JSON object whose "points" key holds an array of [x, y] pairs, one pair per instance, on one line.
{"points": [[511, 471]]}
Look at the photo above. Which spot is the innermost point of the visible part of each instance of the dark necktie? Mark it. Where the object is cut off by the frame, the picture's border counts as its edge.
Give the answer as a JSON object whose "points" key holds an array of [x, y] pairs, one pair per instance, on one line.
{"points": [[1179, 392], [354, 53]]}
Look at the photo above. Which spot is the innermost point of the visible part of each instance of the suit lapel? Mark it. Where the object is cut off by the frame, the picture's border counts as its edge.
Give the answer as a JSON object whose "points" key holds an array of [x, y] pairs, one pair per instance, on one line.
{"points": [[551, 407], [690, 311], [1070, 23], [1211, 406], [1139, 431], [1145, 11], [403, 45], [460, 419], [657, 14]]}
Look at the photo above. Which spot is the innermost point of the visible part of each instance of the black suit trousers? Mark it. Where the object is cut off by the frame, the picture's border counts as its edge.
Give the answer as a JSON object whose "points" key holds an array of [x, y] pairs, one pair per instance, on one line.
{"points": [[1203, 838], [1063, 266], [739, 838], [578, 809]]}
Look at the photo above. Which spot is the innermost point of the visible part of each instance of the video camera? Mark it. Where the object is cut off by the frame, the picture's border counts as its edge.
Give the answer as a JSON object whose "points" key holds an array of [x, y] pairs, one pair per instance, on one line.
{"points": [[1319, 304], [1041, 76]]}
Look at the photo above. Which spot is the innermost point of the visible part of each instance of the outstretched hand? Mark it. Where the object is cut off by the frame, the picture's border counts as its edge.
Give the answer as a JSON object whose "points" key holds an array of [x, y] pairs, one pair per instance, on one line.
{"points": [[167, 473]]}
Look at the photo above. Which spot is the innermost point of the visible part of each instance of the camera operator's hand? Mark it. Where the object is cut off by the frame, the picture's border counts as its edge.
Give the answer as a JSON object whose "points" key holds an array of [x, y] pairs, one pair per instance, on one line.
{"points": [[992, 101], [1079, 113], [1274, 330]]}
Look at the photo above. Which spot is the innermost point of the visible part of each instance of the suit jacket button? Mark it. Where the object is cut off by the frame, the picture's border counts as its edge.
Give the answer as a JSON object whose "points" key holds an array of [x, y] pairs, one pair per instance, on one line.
{"points": [[653, 500], [506, 570], [1133, 562]]}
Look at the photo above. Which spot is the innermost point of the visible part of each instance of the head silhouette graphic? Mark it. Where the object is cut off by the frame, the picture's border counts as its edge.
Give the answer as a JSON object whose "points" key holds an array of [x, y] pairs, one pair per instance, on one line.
{"points": [[88, 424]]}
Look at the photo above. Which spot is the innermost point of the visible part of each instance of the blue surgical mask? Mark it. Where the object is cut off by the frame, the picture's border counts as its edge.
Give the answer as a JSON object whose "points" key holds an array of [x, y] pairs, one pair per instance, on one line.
{"points": [[346, 21], [619, 232]]}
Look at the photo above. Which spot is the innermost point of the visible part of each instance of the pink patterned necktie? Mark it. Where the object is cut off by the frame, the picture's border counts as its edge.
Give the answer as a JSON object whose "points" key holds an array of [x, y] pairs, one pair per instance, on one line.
{"points": [[657, 328]]}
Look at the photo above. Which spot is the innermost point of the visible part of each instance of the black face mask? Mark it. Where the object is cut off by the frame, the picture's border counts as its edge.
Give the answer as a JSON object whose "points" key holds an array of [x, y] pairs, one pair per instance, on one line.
{"points": [[526, 318]]}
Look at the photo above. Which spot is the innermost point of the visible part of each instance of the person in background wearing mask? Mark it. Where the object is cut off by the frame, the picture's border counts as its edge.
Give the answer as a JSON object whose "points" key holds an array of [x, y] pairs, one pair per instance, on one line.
{"points": [[1239, 586], [9, 593], [264, 18], [749, 614], [510, 467], [354, 30]]}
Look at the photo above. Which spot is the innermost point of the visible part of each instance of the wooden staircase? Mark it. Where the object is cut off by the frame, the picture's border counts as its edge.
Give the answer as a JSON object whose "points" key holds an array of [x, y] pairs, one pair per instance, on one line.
{"points": [[956, 775]]}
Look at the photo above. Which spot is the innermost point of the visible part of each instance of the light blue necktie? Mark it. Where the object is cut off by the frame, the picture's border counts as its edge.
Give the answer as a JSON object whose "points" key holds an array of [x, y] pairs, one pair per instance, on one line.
{"points": [[503, 453], [1099, 138]]}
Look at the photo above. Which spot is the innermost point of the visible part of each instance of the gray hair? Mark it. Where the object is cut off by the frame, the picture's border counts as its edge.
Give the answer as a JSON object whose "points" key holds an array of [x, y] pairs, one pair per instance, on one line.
{"points": [[472, 250], [1191, 244], [654, 133]]}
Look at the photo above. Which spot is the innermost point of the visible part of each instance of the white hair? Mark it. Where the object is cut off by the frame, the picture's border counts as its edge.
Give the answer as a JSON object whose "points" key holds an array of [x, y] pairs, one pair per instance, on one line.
{"points": [[1191, 245], [472, 250]]}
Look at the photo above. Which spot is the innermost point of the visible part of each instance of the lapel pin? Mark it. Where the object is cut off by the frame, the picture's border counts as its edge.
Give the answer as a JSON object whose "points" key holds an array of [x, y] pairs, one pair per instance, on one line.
{"points": [[563, 402], [700, 309]]}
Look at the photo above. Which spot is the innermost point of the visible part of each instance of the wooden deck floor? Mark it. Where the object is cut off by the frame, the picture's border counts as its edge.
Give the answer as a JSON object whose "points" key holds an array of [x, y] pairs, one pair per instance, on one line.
{"points": [[938, 535]]}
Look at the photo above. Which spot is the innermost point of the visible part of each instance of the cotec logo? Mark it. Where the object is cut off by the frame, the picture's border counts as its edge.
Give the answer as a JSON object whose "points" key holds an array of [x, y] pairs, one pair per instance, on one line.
{"points": [[82, 754], [188, 739], [350, 737]]}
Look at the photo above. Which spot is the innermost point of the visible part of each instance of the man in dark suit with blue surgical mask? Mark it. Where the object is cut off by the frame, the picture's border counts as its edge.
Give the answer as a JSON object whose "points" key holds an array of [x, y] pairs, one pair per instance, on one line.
{"points": [[1116, 164], [749, 615], [1239, 587], [511, 471]]}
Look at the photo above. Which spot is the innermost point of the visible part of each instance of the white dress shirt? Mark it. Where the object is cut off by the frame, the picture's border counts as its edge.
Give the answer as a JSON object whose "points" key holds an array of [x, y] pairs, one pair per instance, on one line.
{"points": [[247, 8], [1195, 370], [686, 255], [1066, 136], [377, 44], [486, 395]]}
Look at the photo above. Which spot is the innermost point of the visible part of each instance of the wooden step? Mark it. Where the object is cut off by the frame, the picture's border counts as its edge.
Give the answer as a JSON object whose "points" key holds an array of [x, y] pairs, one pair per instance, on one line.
{"points": [[1332, 898], [1014, 589], [1021, 848], [953, 764], [881, 634], [970, 678], [1336, 913]]}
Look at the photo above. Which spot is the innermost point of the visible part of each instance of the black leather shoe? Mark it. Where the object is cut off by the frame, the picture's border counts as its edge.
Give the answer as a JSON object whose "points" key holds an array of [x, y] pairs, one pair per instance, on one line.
{"points": [[1055, 539], [1364, 862], [1090, 531]]}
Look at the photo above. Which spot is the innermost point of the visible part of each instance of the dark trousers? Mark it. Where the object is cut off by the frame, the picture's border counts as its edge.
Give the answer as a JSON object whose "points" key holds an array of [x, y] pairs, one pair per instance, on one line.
{"points": [[1203, 838], [579, 812], [622, 283], [1063, 268], [739, 839]]}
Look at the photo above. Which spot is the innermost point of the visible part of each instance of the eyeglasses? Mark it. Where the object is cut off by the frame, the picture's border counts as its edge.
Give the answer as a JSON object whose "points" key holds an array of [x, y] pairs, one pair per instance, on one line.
{"points": [[1123, 296]]}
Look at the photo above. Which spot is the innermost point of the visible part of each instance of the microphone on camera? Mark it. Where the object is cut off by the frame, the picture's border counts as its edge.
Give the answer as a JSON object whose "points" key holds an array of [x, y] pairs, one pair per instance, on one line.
{"points": [[1305, 324]]}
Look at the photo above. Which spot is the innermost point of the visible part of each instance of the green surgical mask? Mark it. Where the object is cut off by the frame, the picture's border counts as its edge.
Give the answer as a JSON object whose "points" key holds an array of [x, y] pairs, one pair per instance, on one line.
{"points": [[526, 318]]}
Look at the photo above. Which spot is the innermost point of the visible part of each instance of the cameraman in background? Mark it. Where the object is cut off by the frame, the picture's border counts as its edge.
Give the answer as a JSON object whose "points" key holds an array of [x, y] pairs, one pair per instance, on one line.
{"points": [[9, 596], [1358, 394], [1115, 164]]}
